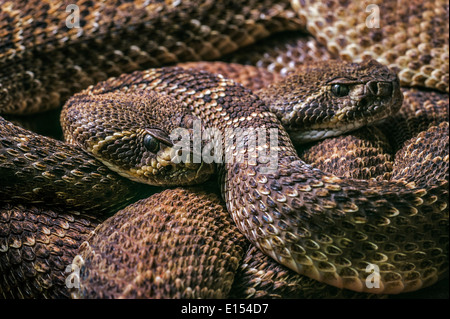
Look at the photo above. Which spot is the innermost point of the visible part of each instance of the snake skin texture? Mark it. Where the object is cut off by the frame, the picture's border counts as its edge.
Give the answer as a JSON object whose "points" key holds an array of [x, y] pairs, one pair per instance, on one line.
{"points": [[317, 218], [36, 246], [260, 278], [251, 77], [374, 147], [411, 37], [283, 53], [295, 188], [420, 110], [54, 173], [310, 113], [415, 158], [120, 144], [43, 61], [183, 244], [362, 154]]}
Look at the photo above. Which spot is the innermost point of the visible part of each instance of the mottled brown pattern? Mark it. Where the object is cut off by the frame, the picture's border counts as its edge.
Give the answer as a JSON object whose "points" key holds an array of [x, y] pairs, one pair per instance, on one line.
{"points": [[363, 154], [176, 244], [420, 111], [120, 143], [317, 224], [411, 36], [36, 247], [55, 173], [259, 277], [251, 77], [43, 62], [283, 53], [312, 221], [309, 110], [420, 161]]}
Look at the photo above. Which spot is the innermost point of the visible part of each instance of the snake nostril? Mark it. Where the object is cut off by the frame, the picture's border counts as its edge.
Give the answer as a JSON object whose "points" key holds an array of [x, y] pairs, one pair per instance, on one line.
{"points": [[373, 87], [380, 89]]}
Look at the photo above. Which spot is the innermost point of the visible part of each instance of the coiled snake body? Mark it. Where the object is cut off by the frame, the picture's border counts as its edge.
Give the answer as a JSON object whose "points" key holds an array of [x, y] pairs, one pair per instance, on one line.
{"points": [[317, 224]]}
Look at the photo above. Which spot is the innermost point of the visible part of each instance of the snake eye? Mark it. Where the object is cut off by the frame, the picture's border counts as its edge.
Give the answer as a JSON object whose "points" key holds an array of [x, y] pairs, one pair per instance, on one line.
{"points": [[340, 90], [151, 143]]}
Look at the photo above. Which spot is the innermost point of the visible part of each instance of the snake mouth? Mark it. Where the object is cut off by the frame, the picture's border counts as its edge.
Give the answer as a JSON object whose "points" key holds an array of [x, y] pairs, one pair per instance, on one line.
{"points": [[162, 170], [377, 101], [168, 174], [312, 135]]}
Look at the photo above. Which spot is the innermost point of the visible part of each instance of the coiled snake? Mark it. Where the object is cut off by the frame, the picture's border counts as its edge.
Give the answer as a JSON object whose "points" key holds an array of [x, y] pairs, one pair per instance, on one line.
{"points": [[326, 227]]}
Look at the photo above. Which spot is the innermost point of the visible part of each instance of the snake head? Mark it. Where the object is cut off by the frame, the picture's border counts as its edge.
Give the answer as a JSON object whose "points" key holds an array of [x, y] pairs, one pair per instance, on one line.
{"points": [[333, 97], [131, 134]]}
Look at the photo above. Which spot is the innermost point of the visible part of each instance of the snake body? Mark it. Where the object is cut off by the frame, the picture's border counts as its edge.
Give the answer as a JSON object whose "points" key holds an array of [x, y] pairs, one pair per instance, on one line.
{"points": [[326, 227], [44, 61]]}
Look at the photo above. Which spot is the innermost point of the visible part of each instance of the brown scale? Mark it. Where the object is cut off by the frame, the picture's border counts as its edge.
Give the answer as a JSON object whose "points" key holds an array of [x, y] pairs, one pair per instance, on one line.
{"points": [[285, 284], [420, 110], [36, 247], [309, 108], [368, 152], [43, 62], [320, 225], [447, 169], [411, 37], [54, 173], [421, 160], [120, 143], [283, 53], [259, 277], [374, 151], [251, 77], [179, 243], [165, 233], [363, 154]]}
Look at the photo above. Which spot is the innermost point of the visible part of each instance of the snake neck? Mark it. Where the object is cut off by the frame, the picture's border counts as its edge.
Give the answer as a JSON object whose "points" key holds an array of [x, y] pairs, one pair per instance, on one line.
{"points": [[319, 225]]}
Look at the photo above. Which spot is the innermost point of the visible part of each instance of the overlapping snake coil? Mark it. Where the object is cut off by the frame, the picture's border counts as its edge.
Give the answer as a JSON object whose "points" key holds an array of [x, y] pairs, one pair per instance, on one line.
{"points": [[377, 196]]}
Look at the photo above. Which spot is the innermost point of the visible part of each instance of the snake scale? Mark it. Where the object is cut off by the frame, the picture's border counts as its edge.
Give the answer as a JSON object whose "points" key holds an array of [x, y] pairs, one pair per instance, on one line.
{"points": [[329, 228]]}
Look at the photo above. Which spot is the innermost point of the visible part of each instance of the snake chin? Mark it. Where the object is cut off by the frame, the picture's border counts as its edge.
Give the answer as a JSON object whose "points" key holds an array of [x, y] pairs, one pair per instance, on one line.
{"points": [[302, 137], [338, 124], [313, 104], [162, 171]]}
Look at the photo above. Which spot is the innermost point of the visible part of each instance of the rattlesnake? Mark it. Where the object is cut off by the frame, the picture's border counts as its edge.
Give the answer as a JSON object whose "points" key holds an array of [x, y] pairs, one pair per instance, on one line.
{"points": [[281, 13]]}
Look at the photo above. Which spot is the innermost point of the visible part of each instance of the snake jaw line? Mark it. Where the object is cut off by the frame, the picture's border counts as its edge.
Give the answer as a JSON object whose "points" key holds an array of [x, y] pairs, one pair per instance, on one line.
{"points": [[315, 135], [305, 190]]}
